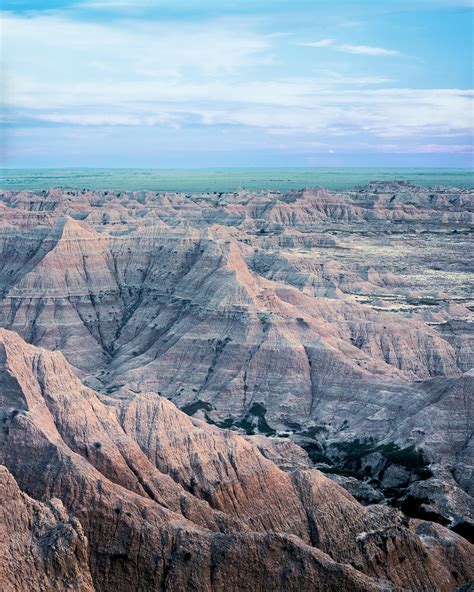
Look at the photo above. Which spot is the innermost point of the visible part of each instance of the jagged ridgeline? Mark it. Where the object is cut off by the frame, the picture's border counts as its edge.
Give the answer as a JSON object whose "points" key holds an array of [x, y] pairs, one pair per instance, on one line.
{"points": [[216, 350], [102, 494]]}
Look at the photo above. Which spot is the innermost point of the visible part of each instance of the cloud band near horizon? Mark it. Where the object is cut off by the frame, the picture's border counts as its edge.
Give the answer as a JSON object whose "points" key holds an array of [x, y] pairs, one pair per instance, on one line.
{"points": [[256, 77]]}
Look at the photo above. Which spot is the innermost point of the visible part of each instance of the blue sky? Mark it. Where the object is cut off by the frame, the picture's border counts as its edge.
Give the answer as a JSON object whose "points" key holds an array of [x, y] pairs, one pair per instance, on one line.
{"points": [[188, 83]]}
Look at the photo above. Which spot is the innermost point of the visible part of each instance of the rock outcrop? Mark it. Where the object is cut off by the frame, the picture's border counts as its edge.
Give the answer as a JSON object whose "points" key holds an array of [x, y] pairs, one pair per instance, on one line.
{"points": [[323, 319], [42, 547], [135, 494]]}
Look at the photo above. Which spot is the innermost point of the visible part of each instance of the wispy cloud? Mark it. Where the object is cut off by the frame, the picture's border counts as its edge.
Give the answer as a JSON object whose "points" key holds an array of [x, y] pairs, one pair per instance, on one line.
{"points": [[146, 74], [320, 43], [388, 113], [353, 49], [193, 80], [366, 50]]}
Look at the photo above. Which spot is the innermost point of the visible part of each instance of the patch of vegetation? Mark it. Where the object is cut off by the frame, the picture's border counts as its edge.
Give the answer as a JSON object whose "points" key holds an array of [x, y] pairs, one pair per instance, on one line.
{"points": [[357, 449], [258, 410], [315, 452], [254, 421], [226, 424], [410, 458], [198, 405]]}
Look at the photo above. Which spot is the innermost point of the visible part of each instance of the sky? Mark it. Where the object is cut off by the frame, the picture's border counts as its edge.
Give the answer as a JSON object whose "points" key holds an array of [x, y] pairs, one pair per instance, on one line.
{"points": [[222, 83]]}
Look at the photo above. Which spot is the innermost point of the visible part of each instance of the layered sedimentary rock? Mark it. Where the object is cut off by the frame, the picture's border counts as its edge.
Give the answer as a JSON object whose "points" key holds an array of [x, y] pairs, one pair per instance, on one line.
{"points": [[327, 318], [42, 546], [120, 495]]}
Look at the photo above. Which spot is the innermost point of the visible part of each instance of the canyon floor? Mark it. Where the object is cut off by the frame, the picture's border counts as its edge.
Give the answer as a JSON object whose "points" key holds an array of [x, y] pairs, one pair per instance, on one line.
{"points": [[237, 391]]}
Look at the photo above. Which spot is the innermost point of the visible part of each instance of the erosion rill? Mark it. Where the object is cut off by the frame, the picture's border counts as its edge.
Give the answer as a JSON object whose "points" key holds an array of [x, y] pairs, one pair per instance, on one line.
{"points": [[236, 391]]}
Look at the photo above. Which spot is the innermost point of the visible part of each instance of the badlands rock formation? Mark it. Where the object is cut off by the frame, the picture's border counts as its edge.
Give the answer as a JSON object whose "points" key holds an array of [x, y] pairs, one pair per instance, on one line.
{"points": [[42, 546], [104, 494], [338, 324]]}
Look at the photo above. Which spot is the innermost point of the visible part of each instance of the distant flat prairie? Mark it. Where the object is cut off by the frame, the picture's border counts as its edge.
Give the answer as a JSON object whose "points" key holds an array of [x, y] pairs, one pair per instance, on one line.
{"points": [[225, 179]]}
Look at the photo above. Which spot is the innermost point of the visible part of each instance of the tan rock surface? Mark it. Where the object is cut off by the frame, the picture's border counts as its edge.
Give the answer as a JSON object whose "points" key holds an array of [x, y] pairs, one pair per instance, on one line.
{"points": [[341, 322], [41, 546], [168, 501]]}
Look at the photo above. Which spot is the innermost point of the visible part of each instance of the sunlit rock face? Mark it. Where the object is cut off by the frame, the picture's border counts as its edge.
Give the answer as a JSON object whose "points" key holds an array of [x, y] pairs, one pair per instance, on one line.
{"points": [[336, 322], [100, 493]]}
